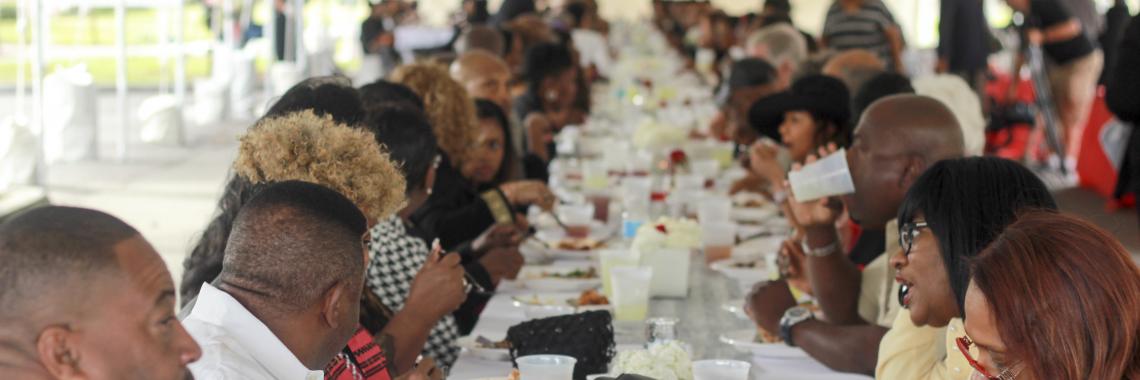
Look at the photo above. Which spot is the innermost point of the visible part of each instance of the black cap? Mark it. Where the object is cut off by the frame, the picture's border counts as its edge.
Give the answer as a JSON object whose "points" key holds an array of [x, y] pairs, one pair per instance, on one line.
{"points": [[746, 72], [819, 94]]}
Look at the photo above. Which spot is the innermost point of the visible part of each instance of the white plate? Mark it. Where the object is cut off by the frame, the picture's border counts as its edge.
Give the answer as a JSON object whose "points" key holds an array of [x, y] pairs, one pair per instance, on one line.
{"points": [[744, 340], [754, 214], [758, 248], [493, 354], [745, 197], [531, 277], [736, 307], [743, 275], [553, 303], [598, 232]]}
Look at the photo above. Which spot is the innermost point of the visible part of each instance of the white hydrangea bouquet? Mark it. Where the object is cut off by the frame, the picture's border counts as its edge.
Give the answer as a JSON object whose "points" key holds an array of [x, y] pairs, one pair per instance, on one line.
{"points": [[653, 136], [666, 245], [666, 361]]}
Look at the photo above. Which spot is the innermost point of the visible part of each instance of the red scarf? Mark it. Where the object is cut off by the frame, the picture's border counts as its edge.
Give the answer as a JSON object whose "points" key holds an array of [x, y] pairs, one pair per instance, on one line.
{"points": [[363, 359]]}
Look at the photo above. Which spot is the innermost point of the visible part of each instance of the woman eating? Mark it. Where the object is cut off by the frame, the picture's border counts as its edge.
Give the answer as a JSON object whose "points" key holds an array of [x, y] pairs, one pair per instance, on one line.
{"points": [[1054, 297], [949, 215]]}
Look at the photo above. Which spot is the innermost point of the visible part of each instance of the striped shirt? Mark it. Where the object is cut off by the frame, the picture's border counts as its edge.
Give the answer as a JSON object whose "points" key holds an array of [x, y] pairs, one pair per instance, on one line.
{"points": [[863, 29]]}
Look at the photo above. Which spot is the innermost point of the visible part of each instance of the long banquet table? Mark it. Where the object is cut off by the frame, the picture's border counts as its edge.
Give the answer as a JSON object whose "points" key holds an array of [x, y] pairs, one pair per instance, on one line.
{"points": [[702, 321]]}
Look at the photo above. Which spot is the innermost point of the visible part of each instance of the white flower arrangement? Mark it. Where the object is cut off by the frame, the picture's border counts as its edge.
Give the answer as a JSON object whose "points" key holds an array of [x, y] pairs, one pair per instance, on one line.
{"points": [[666, 361], [652, 135], [667, 233]]}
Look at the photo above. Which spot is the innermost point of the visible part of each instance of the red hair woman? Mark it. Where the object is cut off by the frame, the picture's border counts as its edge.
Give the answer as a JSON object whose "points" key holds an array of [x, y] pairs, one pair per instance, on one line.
{"points": [[1054, 297]]}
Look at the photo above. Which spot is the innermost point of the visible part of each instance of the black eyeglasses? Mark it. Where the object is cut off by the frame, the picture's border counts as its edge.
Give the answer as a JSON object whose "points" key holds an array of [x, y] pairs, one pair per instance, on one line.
{"points": [[907, 233]]}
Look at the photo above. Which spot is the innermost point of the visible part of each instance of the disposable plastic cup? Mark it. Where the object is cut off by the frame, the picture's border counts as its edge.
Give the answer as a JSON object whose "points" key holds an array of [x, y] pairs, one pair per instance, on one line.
{"points": [[546, 367], [614, 258], [721, 370], [595, 175], [577, 218], [718, 238], [631, 292], [827, 177], [708, 168], [711, 210]]}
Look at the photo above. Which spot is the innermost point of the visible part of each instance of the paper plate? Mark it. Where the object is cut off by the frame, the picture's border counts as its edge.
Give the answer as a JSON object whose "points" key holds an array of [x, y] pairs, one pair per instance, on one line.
{"points": [[752, 275], [744, 340], [468, 344], [532, 278]]}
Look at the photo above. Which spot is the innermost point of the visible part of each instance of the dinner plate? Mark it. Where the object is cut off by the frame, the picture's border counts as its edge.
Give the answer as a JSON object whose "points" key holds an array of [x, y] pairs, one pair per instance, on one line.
{"points": [[536, 304], [758, 248], [469, 344], [745, 340], [736, 307], [751, 275], [532, 278], [552, 235]]}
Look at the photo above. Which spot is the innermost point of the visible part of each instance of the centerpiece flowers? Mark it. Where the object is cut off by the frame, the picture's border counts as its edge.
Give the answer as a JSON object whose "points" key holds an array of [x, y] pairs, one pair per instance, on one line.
{"points": [[666, 245], [665, 361], [654, 136]]}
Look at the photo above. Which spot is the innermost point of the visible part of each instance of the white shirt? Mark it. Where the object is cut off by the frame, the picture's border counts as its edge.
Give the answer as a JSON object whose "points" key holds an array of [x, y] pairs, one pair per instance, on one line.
{"points": [[236, 345]]}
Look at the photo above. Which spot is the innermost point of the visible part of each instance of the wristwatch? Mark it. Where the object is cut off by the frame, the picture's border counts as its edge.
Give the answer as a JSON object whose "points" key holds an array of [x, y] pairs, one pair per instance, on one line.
{"points": [[793, 317], [823, 251]]}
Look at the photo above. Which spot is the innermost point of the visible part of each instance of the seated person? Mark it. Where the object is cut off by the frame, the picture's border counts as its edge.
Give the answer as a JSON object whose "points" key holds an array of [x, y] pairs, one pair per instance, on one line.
{"points": [[85, 296], [897, 139], [547, 105], [953, 211], [457, 213], [1054, 297], [288, 298], [486, 76]]}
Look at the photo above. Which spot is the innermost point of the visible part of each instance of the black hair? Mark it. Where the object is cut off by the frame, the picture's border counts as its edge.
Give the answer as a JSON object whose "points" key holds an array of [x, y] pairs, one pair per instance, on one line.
{"points": [[382, 92], [48, 251], [966, 203], [205, 260], [486, 109], [543, 61], [293, 241], [577, 12], [783, 6], [331, 96], [481, 15], [842, 134], [880, 86], [749, 72], [409, 138], [510, 9]]}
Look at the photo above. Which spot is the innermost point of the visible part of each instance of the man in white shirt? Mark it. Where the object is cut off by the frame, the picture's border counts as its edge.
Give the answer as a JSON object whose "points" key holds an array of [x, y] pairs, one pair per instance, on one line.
{"points": [[84, 296], [287, 300]]}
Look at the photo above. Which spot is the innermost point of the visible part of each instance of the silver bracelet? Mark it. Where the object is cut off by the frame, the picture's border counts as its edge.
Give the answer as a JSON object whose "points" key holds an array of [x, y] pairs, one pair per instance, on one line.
{"points": [[823, 251]]}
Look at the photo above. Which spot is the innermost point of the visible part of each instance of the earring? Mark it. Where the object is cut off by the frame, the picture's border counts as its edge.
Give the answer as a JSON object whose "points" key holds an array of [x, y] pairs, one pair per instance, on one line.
{"points": [[552, 95]]}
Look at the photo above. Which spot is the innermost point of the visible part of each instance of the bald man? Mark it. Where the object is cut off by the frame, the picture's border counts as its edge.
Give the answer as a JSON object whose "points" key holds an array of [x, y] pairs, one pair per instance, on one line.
{"points": [[487, 76], [84, 296], [897, 139]]}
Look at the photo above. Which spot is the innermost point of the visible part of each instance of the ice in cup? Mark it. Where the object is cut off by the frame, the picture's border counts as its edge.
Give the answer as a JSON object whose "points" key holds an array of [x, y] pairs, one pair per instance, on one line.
{"points": [[721, 370], [718, 238], [824, 178], [711, 210], [546, 367], [577, 218], [614, 258], [631, 292]]}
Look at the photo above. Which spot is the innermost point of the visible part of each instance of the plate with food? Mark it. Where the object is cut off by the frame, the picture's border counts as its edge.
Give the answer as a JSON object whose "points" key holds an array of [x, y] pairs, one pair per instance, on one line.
{"points": [[744, 270], [575, 249], [487, 349], [540, 305], [736, 307], [761, 343], [552, 236], [748, 199], [560, 278], [758, 248]]}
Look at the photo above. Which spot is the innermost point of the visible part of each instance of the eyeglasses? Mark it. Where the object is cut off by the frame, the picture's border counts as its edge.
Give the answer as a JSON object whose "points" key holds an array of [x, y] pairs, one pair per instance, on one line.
{"points": [[907, 233], [964, 344]]}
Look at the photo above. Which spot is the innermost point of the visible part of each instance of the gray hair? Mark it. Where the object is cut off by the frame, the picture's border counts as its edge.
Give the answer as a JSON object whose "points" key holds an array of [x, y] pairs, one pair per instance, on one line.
{"points": [[785, 44]]}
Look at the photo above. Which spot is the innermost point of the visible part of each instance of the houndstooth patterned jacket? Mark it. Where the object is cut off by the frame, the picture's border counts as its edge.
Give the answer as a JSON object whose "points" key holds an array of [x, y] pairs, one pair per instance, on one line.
{"points": [[396, 258]]}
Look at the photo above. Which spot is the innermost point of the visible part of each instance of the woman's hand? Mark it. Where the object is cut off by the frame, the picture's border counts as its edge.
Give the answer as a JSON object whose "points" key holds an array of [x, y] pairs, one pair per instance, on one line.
{"points": [[503, 263], [529, 192], [438, 288], [763, 161], [498, 236]]}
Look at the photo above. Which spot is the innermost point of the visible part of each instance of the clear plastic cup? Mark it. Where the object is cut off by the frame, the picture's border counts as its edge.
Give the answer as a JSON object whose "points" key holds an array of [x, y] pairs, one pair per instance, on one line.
{"points": [[721, 370], [827, 177], [595, 175], [614, 258], [710, 210], [718, 238], [577, 218], [546, 367], [631, 292], [708, 168], [688, 182]]}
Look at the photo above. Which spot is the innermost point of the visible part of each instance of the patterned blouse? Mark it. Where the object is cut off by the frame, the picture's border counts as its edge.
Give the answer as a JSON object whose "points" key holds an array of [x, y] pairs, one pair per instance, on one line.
{"points": [[396, 258]]}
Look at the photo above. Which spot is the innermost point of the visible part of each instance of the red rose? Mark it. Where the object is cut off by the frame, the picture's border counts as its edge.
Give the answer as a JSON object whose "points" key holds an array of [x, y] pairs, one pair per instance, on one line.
{"points": [[677, 156], [661, 227]]}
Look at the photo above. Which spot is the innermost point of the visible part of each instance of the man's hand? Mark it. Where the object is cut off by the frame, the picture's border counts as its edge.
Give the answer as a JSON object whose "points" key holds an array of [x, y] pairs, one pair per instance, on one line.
{"points": [[767, 303], [438, 288], [498, 236], [503, 263]]}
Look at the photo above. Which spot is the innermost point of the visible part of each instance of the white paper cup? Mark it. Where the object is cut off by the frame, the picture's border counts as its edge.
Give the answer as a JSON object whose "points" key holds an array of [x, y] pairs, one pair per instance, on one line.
{"points": [[546, 367], [827, 177], [721, 370]]}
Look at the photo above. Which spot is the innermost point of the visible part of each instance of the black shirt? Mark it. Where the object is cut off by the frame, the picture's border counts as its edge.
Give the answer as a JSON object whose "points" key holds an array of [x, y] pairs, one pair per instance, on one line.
{"points": [[1045, 14], [963, 35]]}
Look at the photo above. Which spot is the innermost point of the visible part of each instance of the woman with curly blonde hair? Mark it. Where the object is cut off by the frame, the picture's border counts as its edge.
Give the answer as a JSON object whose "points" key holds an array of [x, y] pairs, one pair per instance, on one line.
{"points": [[457, 213], [304, 146]]}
